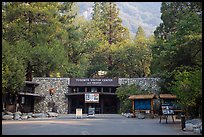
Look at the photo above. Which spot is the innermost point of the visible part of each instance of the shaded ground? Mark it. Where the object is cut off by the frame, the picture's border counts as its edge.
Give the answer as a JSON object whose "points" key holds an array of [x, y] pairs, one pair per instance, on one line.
{"points": [[107, 124]]}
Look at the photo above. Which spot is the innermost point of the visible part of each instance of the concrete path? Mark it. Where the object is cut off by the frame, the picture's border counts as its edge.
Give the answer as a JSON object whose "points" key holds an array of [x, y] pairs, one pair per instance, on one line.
{"points": [[102, 124]]}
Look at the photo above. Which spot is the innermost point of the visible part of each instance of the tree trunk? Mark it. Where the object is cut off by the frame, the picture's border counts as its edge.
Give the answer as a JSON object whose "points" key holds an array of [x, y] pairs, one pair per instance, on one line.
{"points": [[29, 72]]}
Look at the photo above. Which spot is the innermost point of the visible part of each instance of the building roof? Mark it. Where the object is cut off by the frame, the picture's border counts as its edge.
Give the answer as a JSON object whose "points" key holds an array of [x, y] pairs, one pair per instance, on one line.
{"points": [[29, 94], [142, 96], [167, 96]]}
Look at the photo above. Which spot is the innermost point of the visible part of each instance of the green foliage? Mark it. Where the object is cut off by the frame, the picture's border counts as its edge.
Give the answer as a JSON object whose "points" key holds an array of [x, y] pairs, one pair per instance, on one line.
{"points": [[111, 34], [124, 91], [177, 53], [13, 70], [131, 60], [188, 88], [140, 38], [182, 45]]}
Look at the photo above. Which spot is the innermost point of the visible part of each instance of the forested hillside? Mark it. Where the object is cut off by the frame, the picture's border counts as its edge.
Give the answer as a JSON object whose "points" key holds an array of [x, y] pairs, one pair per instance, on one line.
{"points": [[133, 14]]}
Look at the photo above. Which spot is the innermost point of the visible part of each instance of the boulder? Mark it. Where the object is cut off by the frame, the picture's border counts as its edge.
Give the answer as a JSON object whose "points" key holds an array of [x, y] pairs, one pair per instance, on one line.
{"points": [[9, 113], [194, 121], [197, 130], [7, 117], [189, 127], [30, 115], [17, 116], [193, 125], [2, 114], [141, 116], [52, 114], [18, 112], [23, 117], [37, 115]]}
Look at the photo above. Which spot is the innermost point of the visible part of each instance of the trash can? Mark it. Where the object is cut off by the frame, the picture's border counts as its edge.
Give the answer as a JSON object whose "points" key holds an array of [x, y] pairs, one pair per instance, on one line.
{"points": [[78, 112], [183, 122]]}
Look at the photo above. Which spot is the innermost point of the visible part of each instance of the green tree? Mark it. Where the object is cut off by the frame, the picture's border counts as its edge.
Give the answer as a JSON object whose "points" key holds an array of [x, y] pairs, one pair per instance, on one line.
{"points": [[124, 91], [106, 18], [13, 70], [188, 88], [140, 37], [178, 48], [131, 60], [181, 46], [30, 23], [80, 38]]}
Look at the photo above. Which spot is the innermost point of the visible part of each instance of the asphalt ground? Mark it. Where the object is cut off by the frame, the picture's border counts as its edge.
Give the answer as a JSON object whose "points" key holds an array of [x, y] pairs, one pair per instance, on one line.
{"points": [[101, 124]]}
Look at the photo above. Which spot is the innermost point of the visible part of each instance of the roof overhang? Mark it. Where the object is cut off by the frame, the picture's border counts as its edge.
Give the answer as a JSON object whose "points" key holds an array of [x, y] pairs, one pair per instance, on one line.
{"points": [[32, 83], [167, 96], [150, 96], [30, 94]]}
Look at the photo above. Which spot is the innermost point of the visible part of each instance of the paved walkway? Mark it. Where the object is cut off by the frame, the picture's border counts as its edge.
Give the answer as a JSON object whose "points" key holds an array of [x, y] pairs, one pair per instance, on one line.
{"points": [[102, 124]]}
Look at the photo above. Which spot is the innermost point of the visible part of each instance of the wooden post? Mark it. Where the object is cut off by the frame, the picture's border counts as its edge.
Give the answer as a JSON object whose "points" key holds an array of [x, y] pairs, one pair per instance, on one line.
{"points": [[151, 111], [101, 98], [133, 108]]}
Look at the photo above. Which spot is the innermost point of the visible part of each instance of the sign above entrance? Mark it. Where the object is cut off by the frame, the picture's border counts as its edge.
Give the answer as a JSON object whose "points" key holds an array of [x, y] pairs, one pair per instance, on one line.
{"points": [[92, 98], [93, 82]]}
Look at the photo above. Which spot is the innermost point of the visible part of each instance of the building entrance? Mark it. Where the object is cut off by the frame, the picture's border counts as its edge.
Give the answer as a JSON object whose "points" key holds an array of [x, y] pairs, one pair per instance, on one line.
{"points": [[96, 93]]}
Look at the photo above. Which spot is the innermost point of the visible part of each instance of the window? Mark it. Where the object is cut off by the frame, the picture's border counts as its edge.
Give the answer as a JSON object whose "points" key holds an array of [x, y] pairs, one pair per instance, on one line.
{"points": [[94, 89]]}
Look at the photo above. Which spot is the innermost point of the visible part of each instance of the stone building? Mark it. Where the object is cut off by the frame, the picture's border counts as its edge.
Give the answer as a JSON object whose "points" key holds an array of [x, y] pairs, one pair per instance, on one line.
{"points": [[64, 95]]}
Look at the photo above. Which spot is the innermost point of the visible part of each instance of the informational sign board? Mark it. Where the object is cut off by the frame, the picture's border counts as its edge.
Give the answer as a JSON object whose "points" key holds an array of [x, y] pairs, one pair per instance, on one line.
{"points": [[92, 98], [142, 104], [78, 112], [167, 109]]}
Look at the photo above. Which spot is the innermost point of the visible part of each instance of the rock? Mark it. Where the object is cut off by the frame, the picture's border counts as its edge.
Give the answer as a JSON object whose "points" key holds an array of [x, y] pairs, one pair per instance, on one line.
{"points": [[52, 114], [17, 116], [128, 115], [141, 116], [194, 125], [18, 112], [2, 115], [36, 115], [9, 113], [23, 117], [7, 117], [30, 115], [197, 130], [194, 121], [189, 127]]}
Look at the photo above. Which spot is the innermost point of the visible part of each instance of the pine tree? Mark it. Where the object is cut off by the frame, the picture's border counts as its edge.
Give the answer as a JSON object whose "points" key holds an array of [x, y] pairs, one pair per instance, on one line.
{"points": [[106, 16], [140, 37]]}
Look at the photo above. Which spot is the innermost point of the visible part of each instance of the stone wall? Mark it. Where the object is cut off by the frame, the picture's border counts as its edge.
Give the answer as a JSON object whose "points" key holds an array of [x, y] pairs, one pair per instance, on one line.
{"points": [[60, 86]]}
